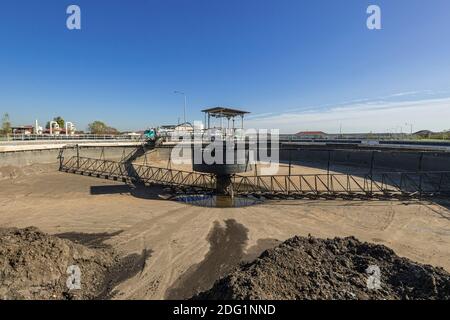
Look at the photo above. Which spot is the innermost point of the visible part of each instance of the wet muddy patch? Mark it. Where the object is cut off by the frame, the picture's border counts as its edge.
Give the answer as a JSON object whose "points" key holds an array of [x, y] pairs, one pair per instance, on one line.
{"points": [[216, 201]]}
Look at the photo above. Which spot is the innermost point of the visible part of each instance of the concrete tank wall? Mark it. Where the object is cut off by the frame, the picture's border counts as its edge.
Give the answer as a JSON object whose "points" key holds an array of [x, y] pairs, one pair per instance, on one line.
{"points": [[392, 160], [50, 156], [383, 160]]}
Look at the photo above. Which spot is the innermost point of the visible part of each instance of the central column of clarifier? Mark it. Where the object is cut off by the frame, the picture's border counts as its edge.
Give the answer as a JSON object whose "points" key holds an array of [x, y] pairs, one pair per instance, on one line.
{"points": [[224, 185]]}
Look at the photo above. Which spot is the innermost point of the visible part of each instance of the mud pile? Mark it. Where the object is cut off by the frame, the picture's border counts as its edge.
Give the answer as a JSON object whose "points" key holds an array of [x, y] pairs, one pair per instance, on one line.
{"points": [[310, 268], [34, 265]]}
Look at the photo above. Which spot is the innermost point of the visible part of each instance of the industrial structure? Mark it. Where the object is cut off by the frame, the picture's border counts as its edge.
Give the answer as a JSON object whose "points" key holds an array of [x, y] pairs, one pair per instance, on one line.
{"points": [[219, 141], [406, 172]]}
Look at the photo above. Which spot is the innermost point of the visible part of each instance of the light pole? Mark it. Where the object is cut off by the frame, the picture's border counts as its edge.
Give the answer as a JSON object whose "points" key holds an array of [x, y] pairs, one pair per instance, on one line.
{"points": [[411, 126], [184, 110]]}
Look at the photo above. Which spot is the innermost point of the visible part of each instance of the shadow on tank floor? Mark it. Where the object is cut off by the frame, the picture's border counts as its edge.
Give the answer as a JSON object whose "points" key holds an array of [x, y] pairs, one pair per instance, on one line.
{"points": [[136, 190]]}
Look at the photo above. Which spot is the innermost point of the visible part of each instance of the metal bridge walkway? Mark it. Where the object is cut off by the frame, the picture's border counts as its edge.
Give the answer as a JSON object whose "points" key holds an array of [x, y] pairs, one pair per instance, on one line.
{"points": [[131, 172], [379, 185]]}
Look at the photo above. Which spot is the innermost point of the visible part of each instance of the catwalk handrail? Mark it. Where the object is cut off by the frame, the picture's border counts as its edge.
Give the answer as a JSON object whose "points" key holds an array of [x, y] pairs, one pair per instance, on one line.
{"points": [[137, 172], [378, 183], [406, 183]]}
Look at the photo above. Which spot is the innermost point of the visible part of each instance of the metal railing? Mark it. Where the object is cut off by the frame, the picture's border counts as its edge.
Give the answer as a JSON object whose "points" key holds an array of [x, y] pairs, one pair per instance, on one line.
{"points": [[63, 137], [137, 173], [386, 184]]}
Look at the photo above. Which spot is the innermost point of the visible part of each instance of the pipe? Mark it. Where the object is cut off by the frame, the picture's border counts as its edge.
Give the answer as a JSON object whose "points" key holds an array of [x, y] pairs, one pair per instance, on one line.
{"points": [[67, 125], [51, 126]]}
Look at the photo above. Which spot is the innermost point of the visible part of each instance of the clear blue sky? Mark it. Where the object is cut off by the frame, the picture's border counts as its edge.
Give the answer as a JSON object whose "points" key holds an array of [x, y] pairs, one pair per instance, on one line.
{"points": [[265, 56]]}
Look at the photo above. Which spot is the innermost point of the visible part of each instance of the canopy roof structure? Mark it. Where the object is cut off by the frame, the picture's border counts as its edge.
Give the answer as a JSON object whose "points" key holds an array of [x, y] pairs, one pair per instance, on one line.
{"points": [[224, 112]]}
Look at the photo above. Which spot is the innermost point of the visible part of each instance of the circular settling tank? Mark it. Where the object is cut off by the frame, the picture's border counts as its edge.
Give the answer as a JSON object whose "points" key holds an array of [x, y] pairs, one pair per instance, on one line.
{"points": [[223, 159]]}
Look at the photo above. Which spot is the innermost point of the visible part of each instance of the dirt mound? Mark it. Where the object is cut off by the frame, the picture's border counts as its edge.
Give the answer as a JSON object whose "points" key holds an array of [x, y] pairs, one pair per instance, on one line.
{"points": [[310, 268], [34, 265]]}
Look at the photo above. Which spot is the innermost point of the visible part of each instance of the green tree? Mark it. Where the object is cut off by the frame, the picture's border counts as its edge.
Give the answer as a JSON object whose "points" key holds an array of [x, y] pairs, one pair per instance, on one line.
{"points": [[99, 127], [111, 130], [59, 120], [6, 124]]}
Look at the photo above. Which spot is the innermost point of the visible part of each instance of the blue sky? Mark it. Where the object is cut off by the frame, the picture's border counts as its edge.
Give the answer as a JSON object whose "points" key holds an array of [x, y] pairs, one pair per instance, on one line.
{"points": [[296, 65]]}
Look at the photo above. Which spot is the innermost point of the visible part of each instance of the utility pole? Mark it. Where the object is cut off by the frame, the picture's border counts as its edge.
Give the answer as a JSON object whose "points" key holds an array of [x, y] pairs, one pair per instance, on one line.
{"points": [[185, 102], [411, 127]]}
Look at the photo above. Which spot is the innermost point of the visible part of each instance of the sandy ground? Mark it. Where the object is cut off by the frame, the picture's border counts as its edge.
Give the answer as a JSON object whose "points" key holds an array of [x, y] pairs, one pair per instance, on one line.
{"points": [[185, 241]]}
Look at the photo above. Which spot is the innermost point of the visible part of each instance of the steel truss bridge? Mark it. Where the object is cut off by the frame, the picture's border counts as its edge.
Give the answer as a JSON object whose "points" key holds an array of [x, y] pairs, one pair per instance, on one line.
{"points": [[412, 185]]}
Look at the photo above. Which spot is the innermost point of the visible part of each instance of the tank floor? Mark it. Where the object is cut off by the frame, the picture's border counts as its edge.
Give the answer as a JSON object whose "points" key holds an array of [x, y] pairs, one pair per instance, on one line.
{"points": [[189, 243]]}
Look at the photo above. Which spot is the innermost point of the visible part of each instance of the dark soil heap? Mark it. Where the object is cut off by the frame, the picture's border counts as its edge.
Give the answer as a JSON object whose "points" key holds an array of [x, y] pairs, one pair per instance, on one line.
{"points": [[310, 268], [33, 265]]}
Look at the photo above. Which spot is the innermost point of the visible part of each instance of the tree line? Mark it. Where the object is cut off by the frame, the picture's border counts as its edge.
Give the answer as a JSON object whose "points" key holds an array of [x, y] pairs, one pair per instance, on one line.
{"points": [[6, 125], [95, 127]]}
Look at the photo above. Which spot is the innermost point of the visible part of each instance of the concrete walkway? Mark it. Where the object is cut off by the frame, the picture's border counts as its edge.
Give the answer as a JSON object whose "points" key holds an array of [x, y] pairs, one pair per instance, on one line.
{"points": [[15, 146]]}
